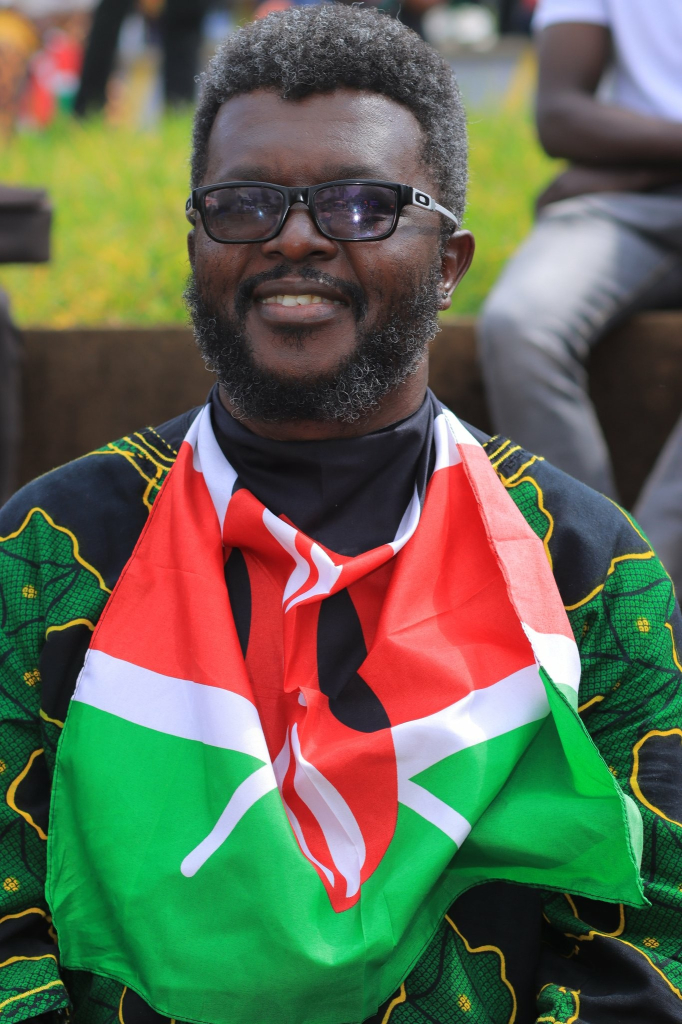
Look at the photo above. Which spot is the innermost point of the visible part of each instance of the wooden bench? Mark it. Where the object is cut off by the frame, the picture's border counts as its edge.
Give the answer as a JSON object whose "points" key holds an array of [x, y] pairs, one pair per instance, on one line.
{"points": [[86, 387]]}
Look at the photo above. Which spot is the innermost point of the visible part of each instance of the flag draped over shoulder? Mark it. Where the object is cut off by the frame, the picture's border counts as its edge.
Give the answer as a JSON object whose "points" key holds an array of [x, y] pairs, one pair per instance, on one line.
{"points": [[262, 808]]}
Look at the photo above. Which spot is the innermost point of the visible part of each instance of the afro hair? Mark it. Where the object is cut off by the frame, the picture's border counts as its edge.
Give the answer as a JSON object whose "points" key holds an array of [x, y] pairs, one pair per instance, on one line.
{"points": [[307, 50]]}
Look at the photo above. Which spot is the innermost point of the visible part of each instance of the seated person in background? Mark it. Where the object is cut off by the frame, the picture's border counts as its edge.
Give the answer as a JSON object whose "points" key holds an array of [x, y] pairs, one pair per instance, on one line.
{"points": [[330, 756], [608, 238]]}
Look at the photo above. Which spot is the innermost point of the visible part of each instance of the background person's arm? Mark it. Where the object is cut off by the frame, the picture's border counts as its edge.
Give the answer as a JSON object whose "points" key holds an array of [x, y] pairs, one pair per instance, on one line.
{"points": [[610, 148], [579, 180]]}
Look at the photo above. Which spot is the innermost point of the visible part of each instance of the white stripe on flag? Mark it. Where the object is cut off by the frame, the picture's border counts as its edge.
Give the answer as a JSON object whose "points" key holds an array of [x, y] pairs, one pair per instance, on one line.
{"points": [[459, 431], [408, 524], [517, 700], [209, 460], [177, 707], [435, 810], [259, 784], [447, 453], [558, 655]]}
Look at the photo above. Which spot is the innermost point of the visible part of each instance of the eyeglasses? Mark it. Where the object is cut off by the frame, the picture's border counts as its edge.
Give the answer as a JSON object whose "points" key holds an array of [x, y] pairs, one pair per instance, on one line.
{"points": [[345, 211]]}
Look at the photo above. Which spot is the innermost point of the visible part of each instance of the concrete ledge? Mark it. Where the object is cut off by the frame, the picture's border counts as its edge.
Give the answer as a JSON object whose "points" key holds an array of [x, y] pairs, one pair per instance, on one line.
{"points": [[83, 388], [86, 387], [636, 385]]}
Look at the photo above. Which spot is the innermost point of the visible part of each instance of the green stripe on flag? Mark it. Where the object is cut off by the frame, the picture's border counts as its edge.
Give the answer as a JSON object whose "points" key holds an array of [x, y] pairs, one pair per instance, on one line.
{"points": [[561, 821], [252, 936], [150, 799], [469, 780]]}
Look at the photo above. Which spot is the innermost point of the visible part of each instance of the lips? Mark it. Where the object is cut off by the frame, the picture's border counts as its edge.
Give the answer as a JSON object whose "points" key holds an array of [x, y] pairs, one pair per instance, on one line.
{"points": [[290, 292], [295, 301], [309, 299]]}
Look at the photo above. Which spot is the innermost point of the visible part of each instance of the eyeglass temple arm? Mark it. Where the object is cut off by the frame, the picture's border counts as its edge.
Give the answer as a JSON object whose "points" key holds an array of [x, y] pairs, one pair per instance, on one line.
{"points": [[190, 212], [424, 200]]}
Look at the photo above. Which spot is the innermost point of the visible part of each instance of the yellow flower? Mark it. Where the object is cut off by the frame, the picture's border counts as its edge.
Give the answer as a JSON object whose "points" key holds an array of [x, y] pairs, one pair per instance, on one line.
{"points": [[464, 1003], [11, 885], [29, 592], [643, 625], [651, 943], [32, 677]]}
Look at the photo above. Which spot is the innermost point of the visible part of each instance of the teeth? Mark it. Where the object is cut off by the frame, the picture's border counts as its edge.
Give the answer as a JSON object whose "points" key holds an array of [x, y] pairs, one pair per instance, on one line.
{"points": [[299, 300]]}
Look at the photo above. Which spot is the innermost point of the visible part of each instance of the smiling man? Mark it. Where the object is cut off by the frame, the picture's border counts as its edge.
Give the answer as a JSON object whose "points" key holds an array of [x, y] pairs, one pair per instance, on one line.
{"points": [[361, 715]]}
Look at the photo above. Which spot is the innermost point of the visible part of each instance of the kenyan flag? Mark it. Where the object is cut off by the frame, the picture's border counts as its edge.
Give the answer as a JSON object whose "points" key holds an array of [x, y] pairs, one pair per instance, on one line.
{"points": [[281, 765]]}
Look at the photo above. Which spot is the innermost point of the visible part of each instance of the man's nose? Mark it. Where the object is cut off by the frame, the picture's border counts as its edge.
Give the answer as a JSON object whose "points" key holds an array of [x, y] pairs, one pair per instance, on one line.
{"points": [[299, 238]]}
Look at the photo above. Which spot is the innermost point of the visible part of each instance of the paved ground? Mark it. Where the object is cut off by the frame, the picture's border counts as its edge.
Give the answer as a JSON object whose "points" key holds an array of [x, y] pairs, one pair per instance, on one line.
{"points": [[502, 77]]}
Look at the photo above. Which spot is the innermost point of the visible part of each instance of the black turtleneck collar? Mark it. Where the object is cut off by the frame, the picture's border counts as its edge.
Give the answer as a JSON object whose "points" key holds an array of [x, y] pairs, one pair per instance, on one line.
{"points": [[349, 494]]}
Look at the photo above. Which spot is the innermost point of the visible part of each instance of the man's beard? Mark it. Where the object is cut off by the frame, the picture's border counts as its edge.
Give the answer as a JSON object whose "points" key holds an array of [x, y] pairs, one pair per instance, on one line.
{"points": [[383, 358]]}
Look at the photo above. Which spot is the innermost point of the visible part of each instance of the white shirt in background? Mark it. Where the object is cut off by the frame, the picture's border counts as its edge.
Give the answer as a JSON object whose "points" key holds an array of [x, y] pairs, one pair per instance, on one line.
{"points": [[647, 41]]}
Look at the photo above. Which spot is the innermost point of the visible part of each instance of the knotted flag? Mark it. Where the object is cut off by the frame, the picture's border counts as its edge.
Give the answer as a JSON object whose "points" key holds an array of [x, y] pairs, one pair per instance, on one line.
{"points": [[281, 764]]}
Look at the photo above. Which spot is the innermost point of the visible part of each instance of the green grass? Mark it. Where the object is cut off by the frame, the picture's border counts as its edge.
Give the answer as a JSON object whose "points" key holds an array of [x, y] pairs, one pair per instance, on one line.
{"points": [[119, 231]]}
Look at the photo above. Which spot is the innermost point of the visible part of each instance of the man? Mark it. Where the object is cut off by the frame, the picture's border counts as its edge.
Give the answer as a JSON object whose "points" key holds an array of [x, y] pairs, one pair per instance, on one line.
{"points": [[608, 238], [324, 761]]}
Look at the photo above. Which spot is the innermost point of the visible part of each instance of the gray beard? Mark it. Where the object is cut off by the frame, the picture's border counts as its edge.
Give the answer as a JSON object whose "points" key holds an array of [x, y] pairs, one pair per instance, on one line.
{"points": [[383, 359]]}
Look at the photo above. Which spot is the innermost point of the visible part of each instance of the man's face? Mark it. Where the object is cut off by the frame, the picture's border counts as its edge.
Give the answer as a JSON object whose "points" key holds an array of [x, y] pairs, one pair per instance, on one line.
{"points": [[379, 299]]}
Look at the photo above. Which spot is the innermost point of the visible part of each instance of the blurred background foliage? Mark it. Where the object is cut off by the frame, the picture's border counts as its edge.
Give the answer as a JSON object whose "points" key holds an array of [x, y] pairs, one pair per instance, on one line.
{"points": [[119, 232], [118, 178]]}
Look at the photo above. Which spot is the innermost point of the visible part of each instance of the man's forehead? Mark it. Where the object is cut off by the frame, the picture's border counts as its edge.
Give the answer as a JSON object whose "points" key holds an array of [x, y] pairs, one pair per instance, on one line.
{"points": [[345, 133]]}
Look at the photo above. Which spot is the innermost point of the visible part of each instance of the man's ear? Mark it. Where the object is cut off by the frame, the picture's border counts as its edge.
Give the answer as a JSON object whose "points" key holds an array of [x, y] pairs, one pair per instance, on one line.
{"points": [[191, 239], [457, 257]]}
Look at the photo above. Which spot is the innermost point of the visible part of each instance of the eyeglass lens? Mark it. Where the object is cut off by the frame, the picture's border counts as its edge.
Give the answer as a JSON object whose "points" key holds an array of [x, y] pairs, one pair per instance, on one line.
{"points": [[242, 213], [355, 211], [251, 212]]}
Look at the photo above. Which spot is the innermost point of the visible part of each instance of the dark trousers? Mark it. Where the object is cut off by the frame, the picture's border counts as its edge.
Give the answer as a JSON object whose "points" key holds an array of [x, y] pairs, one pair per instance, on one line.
{"points": [[10, 400], [181, 35]]}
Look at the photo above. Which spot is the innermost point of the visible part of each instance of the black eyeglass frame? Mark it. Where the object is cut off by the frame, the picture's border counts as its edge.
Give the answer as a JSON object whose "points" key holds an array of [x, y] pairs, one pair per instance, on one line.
{"points": [[406, 196]]}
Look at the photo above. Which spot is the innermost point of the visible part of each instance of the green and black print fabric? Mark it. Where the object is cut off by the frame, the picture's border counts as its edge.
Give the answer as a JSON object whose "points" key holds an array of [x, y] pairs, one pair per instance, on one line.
{"points": [[503, 954]]}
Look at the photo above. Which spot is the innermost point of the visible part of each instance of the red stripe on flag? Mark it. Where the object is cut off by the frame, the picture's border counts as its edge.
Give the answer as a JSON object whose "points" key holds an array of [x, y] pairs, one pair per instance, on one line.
{"points": [[520, 552], [447, 625], [173, 581]]}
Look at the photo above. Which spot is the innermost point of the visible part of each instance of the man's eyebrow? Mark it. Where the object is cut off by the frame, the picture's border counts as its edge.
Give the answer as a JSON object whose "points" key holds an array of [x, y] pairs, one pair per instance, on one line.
{"points": [[354, 171], [245, 173]]}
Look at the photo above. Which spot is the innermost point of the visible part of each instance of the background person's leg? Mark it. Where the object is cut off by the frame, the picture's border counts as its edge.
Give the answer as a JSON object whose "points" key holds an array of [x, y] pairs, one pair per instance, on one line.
{"points": [[659, 506], [100, 52], [576, 275], [10, 400], [181, 28]]}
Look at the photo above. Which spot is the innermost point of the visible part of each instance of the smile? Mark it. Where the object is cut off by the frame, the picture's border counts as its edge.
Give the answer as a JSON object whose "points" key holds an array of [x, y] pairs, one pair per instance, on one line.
{"points": [[292, 301], [300, 300]]}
